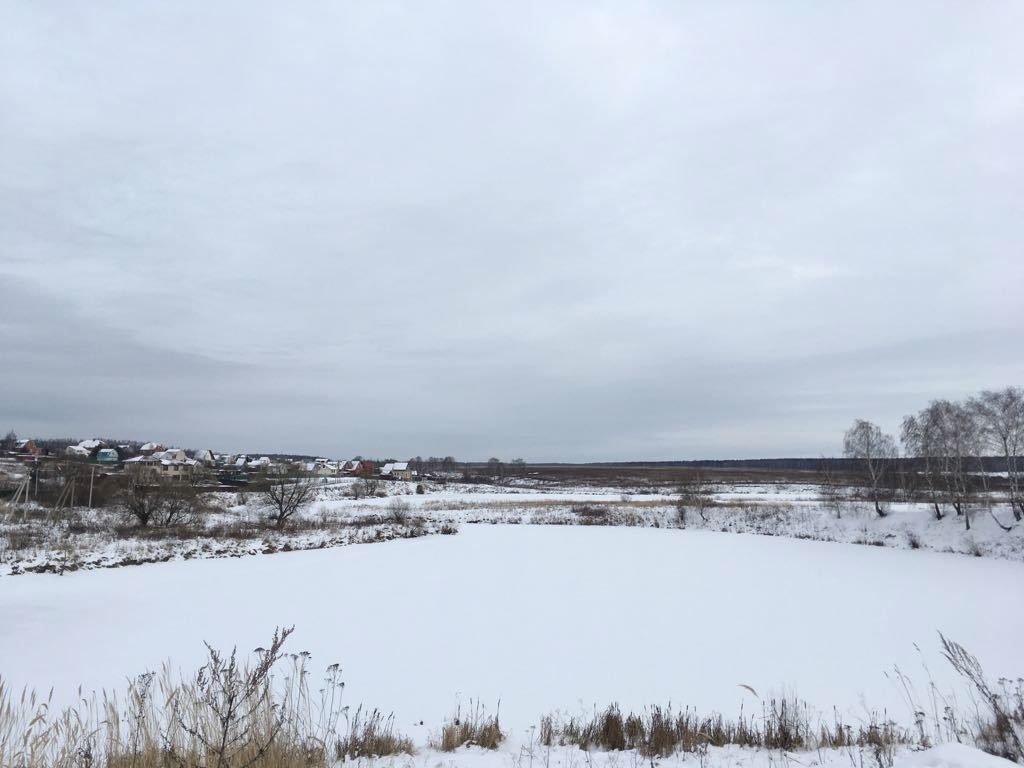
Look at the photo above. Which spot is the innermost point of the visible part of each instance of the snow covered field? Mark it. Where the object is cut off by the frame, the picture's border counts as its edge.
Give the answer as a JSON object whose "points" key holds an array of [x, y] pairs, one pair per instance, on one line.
{"points": [[236, 525], [541, 618]]}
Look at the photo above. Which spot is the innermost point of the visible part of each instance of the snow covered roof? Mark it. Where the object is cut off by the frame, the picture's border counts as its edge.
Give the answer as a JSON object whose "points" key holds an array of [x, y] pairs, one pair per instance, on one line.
{"points": [[151, 446], [90, 444]]}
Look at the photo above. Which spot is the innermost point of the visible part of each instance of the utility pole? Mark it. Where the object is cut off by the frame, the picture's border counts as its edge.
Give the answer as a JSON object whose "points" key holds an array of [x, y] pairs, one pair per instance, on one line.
{"points": [[92, 477]]}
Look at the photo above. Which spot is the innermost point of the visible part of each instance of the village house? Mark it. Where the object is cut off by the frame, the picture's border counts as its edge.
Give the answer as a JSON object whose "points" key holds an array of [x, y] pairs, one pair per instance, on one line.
{"points": [[27, 446], [398, 470], [107, 456], [172, 465], [207, 457], [322, 468], [85, 449]]}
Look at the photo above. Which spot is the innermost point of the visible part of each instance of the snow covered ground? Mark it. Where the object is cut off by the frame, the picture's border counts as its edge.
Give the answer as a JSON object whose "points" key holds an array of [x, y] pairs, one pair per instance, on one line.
{"points": [[84, 538], [774, 509], [527, 756], [540, 618]]}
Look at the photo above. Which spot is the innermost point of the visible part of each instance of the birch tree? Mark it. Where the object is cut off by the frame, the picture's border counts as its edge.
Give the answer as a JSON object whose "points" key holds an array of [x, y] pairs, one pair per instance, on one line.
{"points": [[875, 450], [1000, 415], [921, 440]]}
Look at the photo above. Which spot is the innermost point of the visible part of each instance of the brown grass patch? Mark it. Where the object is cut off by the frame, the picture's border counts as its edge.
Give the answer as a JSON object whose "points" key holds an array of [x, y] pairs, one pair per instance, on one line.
{"points": [[477, 729], [372, 735], [660, 731]]}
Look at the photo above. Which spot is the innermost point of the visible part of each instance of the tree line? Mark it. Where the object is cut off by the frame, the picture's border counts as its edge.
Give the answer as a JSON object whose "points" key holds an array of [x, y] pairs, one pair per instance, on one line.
{"points": [[944, 448]]}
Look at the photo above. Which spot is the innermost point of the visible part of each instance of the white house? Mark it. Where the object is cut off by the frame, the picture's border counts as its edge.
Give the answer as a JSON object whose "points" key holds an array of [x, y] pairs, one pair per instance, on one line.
{"points": [[155, 468]]}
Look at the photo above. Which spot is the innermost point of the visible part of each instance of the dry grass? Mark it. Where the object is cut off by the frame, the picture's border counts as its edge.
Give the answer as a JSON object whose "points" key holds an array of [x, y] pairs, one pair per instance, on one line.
{"points": [[372, 735], [265, 715], [999, 722], [511, 504], [228, 715], [476, 729], [660, 731]]}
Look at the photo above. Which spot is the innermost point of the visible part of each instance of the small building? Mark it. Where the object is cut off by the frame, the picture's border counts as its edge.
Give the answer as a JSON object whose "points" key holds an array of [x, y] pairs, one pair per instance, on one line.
{"points": [[107, 456], [86, 449], [154, 469], [27, 446], [150, 448]]}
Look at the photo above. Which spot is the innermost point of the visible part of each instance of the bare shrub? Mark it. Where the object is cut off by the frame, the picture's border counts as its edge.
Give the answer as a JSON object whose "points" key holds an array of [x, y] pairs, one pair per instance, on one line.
{"points": [[398, 511], [161, 503], [696, 493], [590, 514], [365, 489]]}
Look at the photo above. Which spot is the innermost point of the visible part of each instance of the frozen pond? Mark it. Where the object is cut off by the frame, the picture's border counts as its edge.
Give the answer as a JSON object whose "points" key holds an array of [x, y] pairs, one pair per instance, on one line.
{"points": [[540, 617]]}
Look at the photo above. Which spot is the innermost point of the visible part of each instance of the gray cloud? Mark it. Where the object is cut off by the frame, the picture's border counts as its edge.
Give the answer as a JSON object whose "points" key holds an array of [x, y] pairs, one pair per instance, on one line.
{"points": [[548, 230]]}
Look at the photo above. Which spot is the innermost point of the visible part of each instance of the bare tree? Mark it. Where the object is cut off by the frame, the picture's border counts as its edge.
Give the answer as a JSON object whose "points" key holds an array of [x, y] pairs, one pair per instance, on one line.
{"points": [[921, 439], [695, 492], [496, 468], [364, 488], [287, 492], [948, 440], [1000, 417], [9, 441], [161, 502], [875, 450], [960, 437], [830, 486]]}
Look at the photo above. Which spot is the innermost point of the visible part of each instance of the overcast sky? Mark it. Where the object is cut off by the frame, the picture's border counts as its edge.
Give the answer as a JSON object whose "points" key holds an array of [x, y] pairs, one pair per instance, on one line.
{"points": [[560, 231]]}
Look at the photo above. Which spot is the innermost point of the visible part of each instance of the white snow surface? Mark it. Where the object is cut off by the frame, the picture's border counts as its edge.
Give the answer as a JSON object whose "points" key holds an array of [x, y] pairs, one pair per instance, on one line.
{"points": [[523, 755], [951, 756], [541, 618]]}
